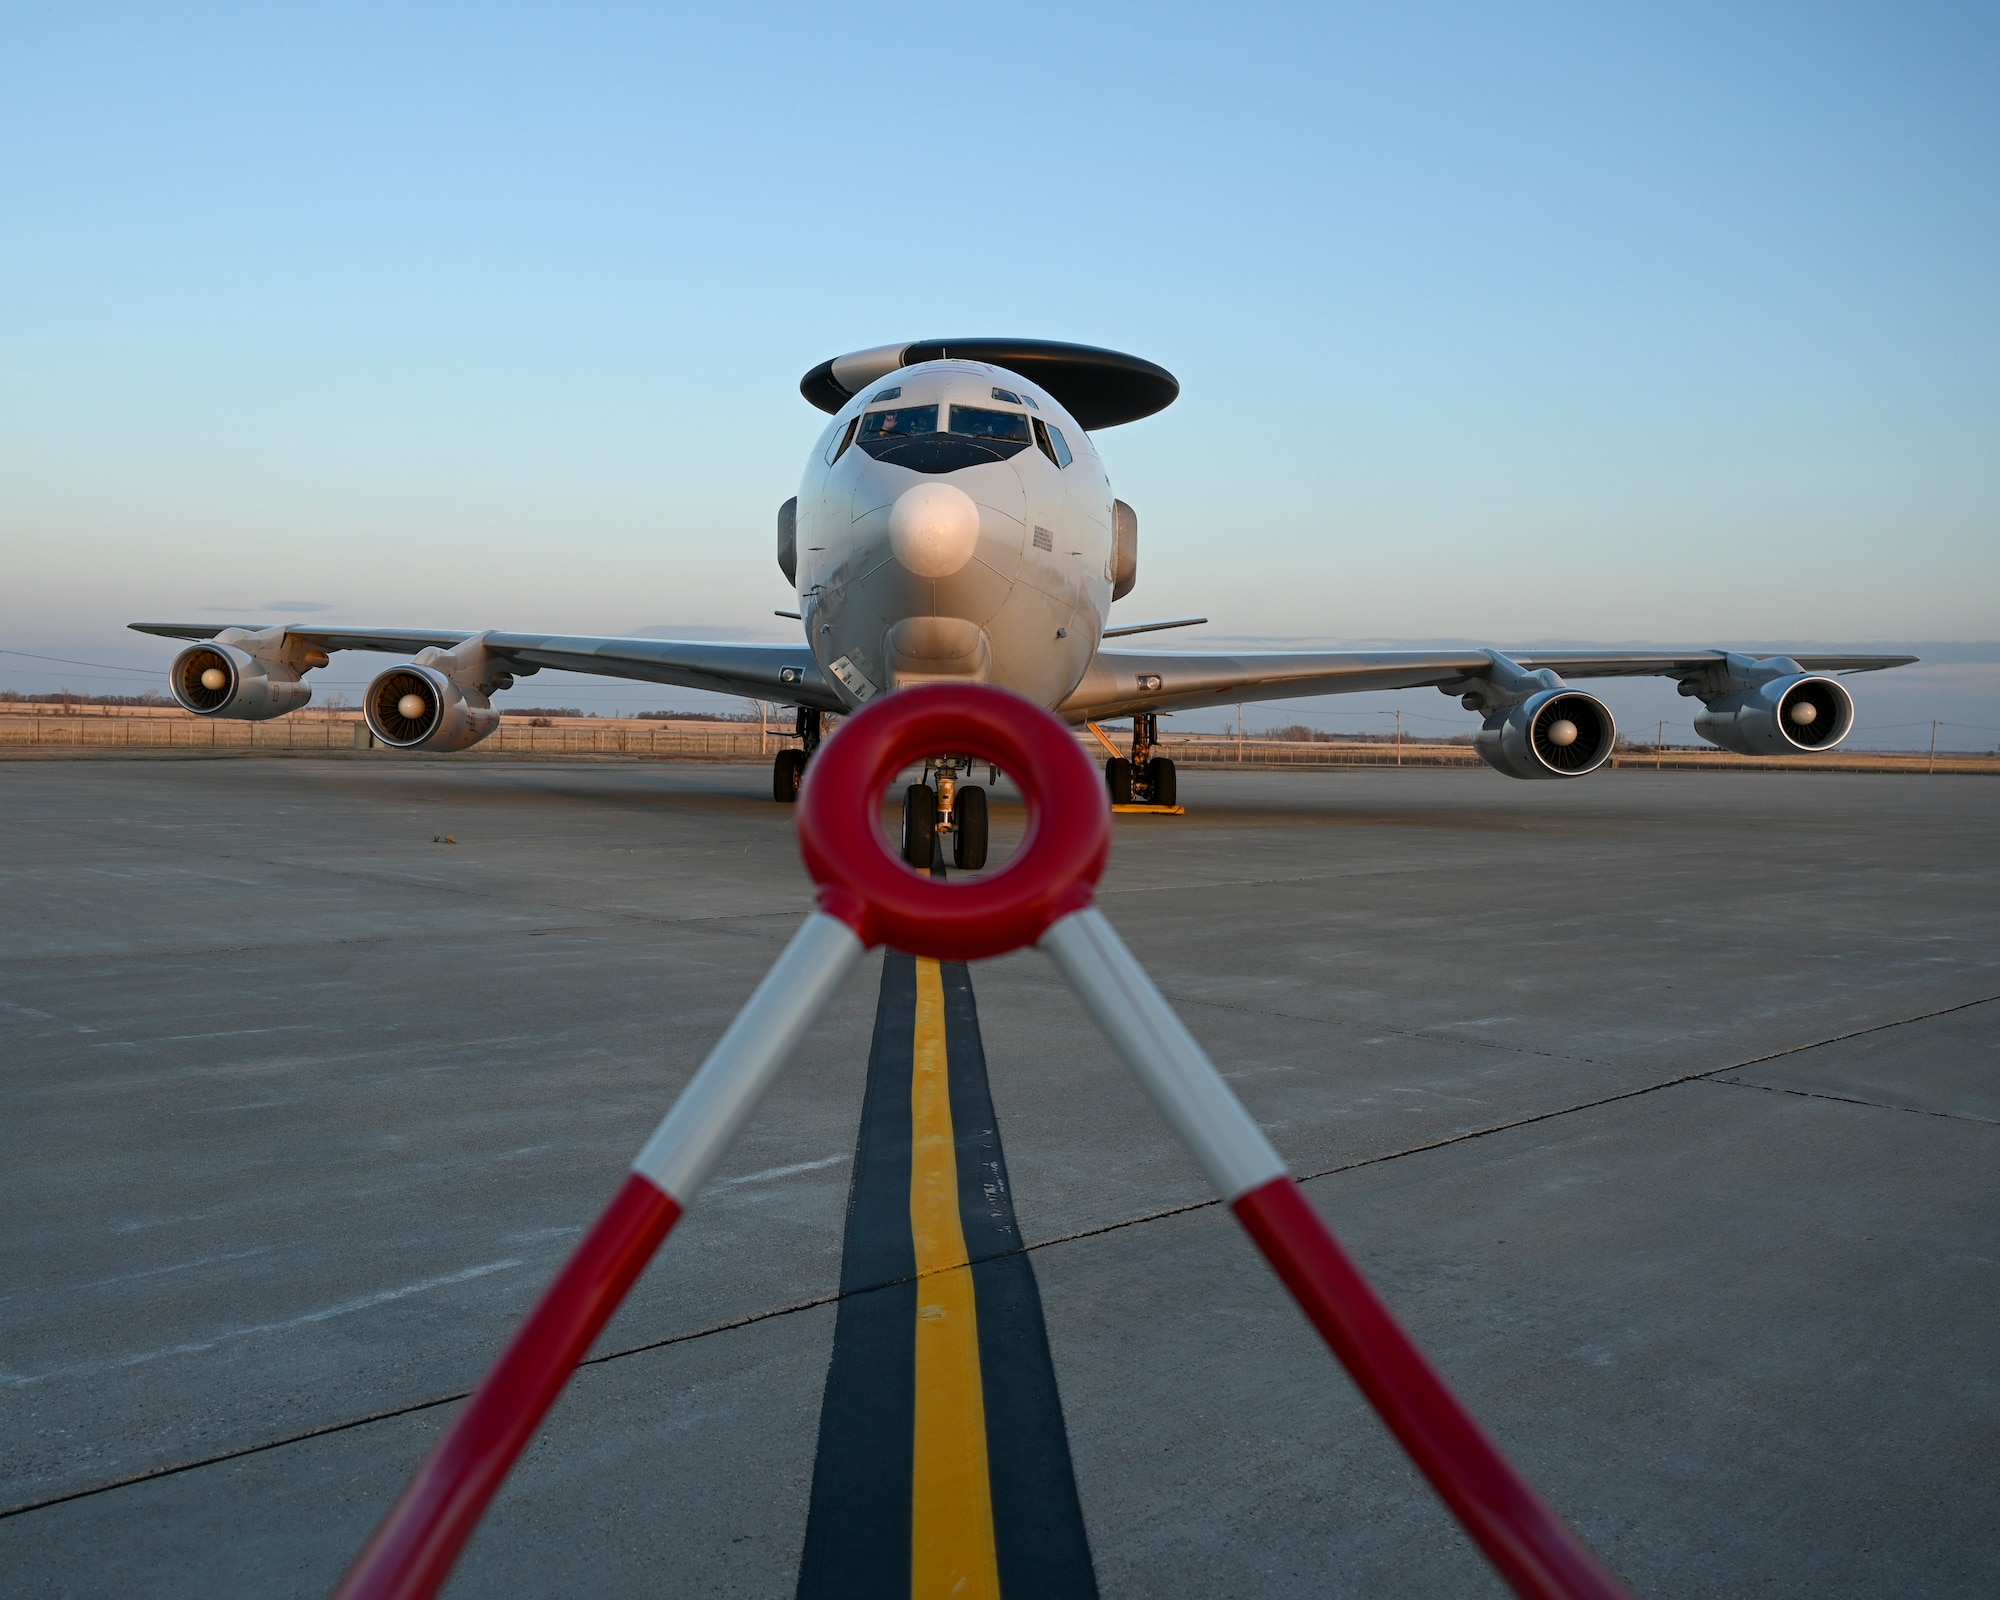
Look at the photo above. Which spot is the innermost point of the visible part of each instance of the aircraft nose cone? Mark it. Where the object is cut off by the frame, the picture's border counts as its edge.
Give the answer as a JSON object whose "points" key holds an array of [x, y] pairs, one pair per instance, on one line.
{"points": [[933, 528]]}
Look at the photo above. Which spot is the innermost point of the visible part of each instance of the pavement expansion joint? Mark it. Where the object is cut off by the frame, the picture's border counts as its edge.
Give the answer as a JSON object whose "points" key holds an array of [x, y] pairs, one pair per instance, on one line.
{"points": [[1857, 1033], [1400, 1033], [472, 891], [1855, 1100], [1158, 886]]}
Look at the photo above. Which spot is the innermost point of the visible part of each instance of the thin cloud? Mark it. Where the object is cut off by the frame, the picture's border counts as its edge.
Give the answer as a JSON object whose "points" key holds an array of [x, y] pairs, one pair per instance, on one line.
{"points": [[291, 607]]}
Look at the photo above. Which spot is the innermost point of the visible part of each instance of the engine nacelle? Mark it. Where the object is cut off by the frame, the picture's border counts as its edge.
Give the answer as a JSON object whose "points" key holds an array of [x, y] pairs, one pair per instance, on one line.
{"points": [[219, 680], [1559, 733], [788, 540], [1785, 717], [1124, 571], [420, 708]]}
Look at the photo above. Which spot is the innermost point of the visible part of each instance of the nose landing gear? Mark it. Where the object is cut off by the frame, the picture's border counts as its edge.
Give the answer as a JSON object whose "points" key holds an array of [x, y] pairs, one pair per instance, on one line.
{"points": [[1146, 778], [920, 826], [968, 845], [941, 807]]}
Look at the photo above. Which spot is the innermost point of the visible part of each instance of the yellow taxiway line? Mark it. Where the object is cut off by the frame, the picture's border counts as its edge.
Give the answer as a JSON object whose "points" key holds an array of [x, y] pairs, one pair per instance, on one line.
{"points": [[952, 1552]]}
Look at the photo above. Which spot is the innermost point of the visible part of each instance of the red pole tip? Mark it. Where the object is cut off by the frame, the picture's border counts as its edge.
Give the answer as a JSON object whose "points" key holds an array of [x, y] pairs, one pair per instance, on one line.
{"points": [[413, 1551], [1532, 1548]]}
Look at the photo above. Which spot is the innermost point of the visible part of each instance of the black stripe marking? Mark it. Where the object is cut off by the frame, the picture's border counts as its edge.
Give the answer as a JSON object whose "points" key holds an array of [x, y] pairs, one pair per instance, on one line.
{"points": [[857, 1544], [1037, 1521], [858, 1530]]}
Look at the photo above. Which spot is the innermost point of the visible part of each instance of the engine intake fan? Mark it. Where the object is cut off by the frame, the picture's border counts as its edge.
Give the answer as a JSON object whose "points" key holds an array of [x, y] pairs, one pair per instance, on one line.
{"points": [[1786, 716], [219, 680], [420, 708], [1559, 733]]}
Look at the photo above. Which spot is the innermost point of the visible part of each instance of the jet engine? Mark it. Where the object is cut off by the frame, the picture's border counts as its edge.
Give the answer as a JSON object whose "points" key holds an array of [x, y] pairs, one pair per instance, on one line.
{"points": [[1559, 733], [788, 540], [219, 680], [1124, 571], [1780, 718], [420, 708]]}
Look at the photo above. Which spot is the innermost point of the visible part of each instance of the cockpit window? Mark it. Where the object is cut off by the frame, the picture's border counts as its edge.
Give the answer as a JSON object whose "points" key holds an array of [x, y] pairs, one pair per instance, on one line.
{"points": [[976, 437], [1049, 439], [887, 394], [975, 423], [899, 424], [1008, 395], [837, 447]]}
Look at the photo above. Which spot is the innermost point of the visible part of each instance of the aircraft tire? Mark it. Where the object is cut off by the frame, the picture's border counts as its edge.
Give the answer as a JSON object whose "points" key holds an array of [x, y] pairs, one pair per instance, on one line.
{"points": [[968, 844], [1160, 775], [919, 826], [787, 773], [1118, 779]]}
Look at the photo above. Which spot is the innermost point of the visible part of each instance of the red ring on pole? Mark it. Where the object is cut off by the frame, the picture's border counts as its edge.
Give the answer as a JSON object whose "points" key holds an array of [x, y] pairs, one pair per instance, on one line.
{"points": [[882, 899]]}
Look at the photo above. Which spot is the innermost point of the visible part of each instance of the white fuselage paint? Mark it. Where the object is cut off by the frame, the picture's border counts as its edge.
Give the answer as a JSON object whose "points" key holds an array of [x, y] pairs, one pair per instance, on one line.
{"points": [[998, 572]]}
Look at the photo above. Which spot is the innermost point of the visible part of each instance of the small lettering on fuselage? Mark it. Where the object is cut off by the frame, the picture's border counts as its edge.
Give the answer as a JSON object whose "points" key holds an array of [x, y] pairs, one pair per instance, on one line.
{"points": [[855, 680]]}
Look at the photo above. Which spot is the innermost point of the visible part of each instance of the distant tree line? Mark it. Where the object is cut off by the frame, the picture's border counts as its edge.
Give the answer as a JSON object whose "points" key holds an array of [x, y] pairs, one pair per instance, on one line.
{"points": [[62, 697], [1299, 733]]}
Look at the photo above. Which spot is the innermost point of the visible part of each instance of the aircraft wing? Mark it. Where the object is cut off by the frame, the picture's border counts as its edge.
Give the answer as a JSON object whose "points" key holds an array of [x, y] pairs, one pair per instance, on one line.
{"points": [[782, 672], [1120, 682]]}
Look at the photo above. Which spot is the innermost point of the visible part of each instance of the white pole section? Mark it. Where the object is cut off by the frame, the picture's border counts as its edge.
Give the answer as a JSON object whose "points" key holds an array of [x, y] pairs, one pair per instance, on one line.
{"points": [[712, 1109], [1156, 1045]]}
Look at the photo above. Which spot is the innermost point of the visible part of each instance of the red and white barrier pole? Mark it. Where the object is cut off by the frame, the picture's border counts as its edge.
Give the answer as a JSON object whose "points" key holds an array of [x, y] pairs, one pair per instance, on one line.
{"points": [[414, 1549], [1043, 896], [1533, 1549]]}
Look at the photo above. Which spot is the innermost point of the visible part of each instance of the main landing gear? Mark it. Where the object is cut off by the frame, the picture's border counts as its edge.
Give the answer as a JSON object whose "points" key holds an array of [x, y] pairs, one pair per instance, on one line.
{"points": [[788, 771], [941, 807], [1147, 778]]}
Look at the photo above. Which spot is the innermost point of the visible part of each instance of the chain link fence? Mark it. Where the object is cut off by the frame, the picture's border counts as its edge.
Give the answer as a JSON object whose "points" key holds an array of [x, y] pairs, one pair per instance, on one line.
{"points": [[28, 731]]}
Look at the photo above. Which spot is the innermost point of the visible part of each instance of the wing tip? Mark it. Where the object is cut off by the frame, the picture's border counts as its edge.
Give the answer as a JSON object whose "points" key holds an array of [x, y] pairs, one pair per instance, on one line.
{"points": [[1881, 663], [178, 630]]}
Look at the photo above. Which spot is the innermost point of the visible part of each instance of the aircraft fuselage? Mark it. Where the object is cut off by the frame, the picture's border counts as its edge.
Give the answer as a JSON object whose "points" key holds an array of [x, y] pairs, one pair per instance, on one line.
{"points": [[954, 523]]}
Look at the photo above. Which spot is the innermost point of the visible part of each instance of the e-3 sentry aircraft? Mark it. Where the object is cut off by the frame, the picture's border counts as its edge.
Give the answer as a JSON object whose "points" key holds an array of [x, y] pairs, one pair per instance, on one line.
{"points": [[955, 523]]}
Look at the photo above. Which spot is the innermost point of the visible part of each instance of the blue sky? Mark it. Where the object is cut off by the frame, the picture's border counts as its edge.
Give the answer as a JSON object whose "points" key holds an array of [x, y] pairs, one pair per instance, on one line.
{"points": [[1671, 325]]}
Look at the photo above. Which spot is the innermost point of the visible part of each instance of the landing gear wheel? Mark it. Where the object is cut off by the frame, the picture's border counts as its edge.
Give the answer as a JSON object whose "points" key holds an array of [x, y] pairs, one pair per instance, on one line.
{"points": [[968, 844], [1160, 776], [919, 826], [787, 773], [1118, 779]]}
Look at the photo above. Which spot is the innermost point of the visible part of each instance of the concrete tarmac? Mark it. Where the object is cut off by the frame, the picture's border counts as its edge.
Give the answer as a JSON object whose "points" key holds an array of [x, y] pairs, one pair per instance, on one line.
{"points": [[1665, 1110]]}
